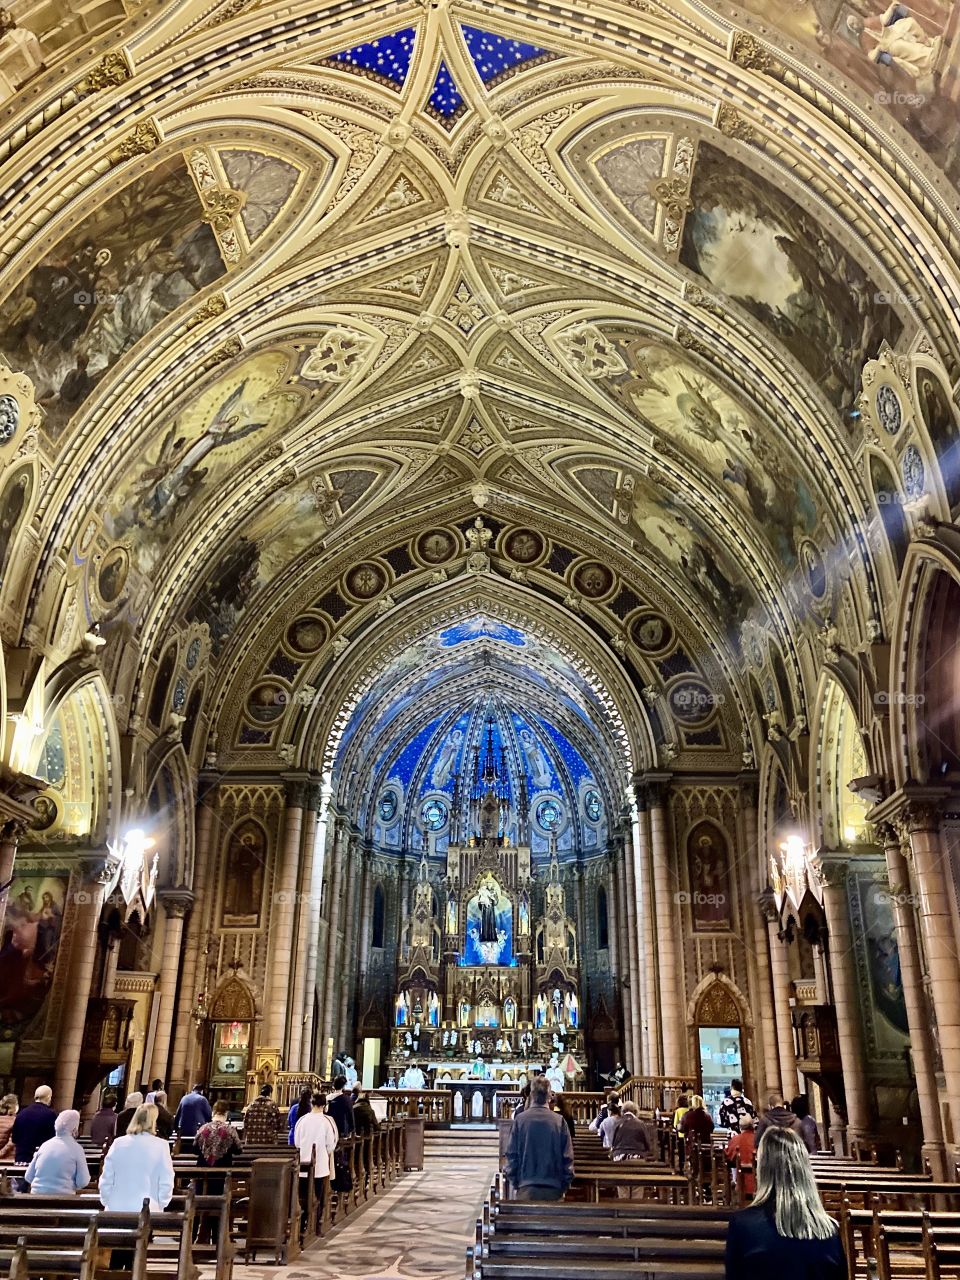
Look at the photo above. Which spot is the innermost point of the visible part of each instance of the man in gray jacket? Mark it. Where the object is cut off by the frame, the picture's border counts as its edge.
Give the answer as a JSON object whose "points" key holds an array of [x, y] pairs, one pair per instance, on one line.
{"points": [[539, 1157]]}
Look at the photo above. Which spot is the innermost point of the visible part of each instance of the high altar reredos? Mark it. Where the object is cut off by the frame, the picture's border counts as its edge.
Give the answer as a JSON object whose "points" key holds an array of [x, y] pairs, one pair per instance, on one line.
{"points": [[490, 977]]}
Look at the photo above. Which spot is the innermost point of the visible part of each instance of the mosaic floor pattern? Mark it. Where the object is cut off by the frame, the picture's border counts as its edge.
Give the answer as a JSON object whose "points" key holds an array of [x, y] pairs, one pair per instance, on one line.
{"points": [[418, 1231]]}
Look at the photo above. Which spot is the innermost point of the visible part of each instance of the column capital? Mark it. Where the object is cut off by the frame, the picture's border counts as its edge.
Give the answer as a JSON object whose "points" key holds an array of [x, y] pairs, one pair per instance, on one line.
{"points": [[916, 806], [295, 790], [830, 869], [650, 789], [749, 786], [176, 901], [767, 902], [207, 784]]}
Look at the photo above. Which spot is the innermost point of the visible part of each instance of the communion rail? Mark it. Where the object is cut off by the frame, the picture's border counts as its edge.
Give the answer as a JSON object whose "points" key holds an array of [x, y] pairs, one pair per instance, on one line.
{"points": [[650, 1093], [435, 1105]]}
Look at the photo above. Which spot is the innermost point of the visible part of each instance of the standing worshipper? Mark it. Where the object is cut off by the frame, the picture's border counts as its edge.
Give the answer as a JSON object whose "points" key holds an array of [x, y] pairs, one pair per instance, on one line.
{"points": [[339, 1106], [261, 1120], [33, 1125], [130, 1105], [365, 1119], [777, 1116], [59, 1166], [151, 1099], [539, 1156], [137, 1167], [103, 1123], [297, 1111], [786, 1232], [632, 1140], [217, 1143], [809, 1132], [734, 1105], [193, 1111], [164, 1117], [316, 1132], [742, 1146]]}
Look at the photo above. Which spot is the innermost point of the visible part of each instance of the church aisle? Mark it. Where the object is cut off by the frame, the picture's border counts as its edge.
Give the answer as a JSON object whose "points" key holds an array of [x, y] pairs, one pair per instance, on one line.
{"points": [[420, 1228]]}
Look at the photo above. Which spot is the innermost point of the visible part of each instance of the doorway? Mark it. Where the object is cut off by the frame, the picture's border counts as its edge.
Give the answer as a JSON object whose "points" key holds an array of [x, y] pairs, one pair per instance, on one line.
{"points": [[721, 1060]]}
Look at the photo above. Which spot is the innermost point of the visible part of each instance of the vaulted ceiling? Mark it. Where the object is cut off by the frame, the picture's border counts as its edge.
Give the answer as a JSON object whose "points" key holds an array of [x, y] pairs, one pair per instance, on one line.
{"points": [[341, 319]]}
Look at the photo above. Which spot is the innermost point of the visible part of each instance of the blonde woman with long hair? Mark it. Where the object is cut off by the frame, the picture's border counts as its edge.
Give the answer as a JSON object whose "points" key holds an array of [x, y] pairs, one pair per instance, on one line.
{"points": [[138, 1167], [786, 1233]]}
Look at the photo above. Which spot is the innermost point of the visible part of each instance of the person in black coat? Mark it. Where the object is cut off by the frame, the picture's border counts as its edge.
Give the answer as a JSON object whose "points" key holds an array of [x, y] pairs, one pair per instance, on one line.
{"points": [[340, 1106], [786, 1233]]}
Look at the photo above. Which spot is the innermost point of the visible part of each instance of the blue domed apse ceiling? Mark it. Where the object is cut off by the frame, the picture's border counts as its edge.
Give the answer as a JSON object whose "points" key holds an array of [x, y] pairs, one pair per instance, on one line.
{"points": [[481, 696]]}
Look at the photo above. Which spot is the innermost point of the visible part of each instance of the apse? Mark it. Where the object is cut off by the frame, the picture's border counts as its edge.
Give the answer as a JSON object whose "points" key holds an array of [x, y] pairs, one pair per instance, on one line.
{"points": [[490, 708]]}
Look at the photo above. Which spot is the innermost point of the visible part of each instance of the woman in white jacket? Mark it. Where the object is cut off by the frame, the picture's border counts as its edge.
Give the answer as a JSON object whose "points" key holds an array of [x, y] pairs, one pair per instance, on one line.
{"points": [[138, 1167]]}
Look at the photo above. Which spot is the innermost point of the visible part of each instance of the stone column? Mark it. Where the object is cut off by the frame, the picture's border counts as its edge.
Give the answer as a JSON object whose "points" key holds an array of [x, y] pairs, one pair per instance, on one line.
{"points": [[614, 916], [304, 915], [665, 889], [921, 1045], [646, 942], [366, 927], [176, 903], [282, 938], [632, 1003], [328, 980], [205, 843], [348, 965], [315, 947], [756, 926], [846, 993], [87, 904], [940, 947], [782, 995]]}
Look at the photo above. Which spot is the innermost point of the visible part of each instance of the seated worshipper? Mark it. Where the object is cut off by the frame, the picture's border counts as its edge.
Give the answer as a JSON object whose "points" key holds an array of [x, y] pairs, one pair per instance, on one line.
{"points": [[9, 1106], [364, 1117], [808, 1126], [632, 1140], [743, 1144], [786, 1232], [130, 1105], [733, 1106], [614, 1111], [683, 1106], [539, 1158], [137, 1167], [298, 1109], [164, 1117], [261, 1120], [777, 1116], [316, 1132], [33, 1125], [613, 1099], [59, 1166], [103, 1124], [193, 1111]]}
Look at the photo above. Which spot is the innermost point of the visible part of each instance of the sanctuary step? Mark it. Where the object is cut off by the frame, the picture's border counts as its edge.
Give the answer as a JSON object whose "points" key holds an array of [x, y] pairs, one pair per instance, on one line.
{"points": [[462, 1142]]}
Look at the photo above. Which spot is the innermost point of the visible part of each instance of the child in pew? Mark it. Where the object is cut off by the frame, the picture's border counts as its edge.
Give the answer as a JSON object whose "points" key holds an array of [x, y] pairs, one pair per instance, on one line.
{"points": [[786, 1233]]}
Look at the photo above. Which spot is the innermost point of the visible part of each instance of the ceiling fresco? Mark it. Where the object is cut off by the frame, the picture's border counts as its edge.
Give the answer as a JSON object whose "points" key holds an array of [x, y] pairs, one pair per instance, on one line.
{"points": [[617, 317]]}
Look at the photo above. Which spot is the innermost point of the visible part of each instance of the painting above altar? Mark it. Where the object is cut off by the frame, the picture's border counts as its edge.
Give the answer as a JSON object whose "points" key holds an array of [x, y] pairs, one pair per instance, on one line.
{"points": [[489, 929]]}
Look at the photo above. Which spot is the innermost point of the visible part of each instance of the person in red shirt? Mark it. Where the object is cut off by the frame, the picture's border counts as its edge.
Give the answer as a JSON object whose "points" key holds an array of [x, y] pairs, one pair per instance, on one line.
{"points": [[743, 1144]]}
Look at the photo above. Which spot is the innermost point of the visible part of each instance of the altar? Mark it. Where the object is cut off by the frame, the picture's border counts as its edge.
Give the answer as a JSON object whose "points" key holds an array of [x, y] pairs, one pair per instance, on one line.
{"points": [[474, 1099], [489, 981]]}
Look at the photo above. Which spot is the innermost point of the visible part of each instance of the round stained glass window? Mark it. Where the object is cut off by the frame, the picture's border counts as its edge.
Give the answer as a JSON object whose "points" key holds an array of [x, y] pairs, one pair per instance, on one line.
{"points": [[593, 806], [388, 806], [549, 815], [434, 815]]}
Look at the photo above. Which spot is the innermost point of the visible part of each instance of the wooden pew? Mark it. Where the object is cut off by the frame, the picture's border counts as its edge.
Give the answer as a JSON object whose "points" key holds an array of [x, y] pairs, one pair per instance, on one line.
{"points": [[43, 1250]]}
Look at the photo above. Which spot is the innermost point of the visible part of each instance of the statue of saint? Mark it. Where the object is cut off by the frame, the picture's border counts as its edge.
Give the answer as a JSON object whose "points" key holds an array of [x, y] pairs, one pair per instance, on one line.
{"points": [[402, 1008], [541, 1010], [572, 1007], [509, 1013], [487, 903], [557, 1004]]}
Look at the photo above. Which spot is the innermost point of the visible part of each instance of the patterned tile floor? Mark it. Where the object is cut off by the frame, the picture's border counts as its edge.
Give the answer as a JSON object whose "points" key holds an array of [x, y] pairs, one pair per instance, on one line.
{"points": [[419, 1230]]}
